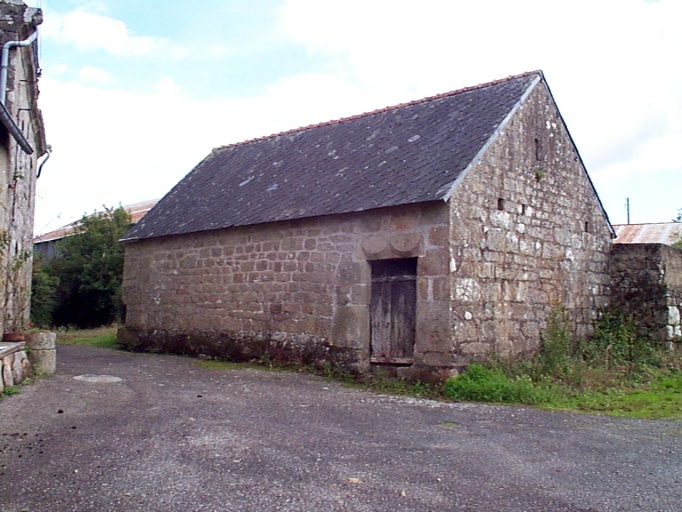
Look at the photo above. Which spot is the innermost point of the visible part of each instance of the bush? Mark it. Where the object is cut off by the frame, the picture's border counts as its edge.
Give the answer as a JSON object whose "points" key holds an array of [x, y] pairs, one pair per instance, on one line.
{"points": [[43, 294], [87, 272], [616, 357], [491, 385], [555, 344], [616, 342]]}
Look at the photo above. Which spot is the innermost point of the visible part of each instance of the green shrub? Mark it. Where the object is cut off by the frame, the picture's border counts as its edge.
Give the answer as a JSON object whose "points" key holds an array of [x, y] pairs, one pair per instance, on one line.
{"points": [[10, 390], [491, 385], [43, 294], [616, 342], [555, 344], [88, 269]]}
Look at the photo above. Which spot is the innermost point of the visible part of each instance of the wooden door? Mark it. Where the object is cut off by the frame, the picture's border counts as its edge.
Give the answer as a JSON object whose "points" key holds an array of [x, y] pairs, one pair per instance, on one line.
{"points": [[393, 311]]}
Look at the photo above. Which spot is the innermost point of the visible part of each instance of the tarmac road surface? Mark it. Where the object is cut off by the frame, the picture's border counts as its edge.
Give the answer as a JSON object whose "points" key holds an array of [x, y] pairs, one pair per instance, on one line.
{"points": [[171, 436]]}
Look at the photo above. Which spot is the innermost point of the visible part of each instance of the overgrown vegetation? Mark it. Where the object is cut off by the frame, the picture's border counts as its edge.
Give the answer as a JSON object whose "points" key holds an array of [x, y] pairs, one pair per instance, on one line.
{"points": [[492, 385], [104, 337], [617, 371], [81, 285], [43, 294]]}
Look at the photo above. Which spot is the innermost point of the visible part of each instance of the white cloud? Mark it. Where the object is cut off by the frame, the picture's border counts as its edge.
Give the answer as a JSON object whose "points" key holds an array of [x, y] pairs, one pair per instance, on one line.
{"points": [[167, 87], [89, 74], [126, 146], [220, 51], [89, 31], [610, 64]]}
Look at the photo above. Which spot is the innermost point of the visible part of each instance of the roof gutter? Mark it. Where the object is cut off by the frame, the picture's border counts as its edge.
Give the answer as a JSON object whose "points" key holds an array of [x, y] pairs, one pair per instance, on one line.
{"points": [[4, 61], [5, 116], [13, 129]]}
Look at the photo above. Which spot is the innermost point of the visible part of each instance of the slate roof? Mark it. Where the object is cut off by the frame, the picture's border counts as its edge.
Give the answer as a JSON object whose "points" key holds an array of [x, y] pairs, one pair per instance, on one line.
{"points": [[405, 154]]}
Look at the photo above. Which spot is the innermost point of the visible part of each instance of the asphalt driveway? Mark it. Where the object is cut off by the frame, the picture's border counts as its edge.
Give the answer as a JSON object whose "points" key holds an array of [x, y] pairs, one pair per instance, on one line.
{"points": [[171, 436]]}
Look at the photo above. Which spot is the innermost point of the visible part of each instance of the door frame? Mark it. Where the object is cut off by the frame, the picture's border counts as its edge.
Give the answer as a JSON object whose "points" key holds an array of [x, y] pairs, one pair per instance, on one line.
{"points": [[397, 280]]}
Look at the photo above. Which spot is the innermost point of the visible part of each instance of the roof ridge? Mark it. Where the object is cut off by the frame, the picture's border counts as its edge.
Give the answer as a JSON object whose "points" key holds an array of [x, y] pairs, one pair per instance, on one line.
{"points": [[381, 110]]}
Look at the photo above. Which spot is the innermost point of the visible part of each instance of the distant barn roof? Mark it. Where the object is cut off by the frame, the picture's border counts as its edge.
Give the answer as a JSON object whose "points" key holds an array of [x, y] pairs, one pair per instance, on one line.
{"points": [[136, 212], [405, 154], [659, 233]]}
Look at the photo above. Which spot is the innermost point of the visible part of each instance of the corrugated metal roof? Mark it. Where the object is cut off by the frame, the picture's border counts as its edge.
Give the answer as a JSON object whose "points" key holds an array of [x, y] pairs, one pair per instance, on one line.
{"points": [[136, 211], [399, 155], [659, 233]]}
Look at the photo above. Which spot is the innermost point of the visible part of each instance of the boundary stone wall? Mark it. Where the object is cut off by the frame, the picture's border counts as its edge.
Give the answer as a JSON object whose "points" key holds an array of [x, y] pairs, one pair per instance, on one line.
{"points": [[647, 284], [14, 364]]}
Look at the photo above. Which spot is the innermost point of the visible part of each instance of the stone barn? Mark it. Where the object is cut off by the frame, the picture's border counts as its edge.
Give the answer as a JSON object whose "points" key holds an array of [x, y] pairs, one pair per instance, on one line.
{"points": [[416, 237]]}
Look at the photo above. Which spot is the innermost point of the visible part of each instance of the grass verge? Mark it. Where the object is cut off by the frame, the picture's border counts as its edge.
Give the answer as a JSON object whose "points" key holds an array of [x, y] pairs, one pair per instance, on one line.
{"points": [[658, 396], [618, 371], [212, 364], [104, 337]]}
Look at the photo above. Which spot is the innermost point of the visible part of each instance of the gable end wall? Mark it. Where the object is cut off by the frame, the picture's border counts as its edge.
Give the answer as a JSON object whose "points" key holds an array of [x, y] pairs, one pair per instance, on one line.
{"points": [[527, 234]]}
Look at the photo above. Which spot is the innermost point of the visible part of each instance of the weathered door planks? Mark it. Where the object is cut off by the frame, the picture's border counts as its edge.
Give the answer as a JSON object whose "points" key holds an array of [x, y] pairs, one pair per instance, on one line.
{"points": [[393, 311]]}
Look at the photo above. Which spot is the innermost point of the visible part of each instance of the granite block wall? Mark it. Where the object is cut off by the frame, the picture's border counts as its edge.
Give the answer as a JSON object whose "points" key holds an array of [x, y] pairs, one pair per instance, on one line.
{"points": [[17, 168], [523, 233], [293, 290], [647, 284], [527, 233]]}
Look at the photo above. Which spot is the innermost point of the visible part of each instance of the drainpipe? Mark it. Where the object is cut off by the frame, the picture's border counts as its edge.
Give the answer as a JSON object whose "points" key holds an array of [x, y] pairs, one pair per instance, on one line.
{"points": [[48, 150], [4, 61]]}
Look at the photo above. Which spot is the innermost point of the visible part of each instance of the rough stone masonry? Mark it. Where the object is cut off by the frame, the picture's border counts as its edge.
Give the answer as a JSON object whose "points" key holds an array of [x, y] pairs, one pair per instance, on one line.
{"points": [[513, 230]]}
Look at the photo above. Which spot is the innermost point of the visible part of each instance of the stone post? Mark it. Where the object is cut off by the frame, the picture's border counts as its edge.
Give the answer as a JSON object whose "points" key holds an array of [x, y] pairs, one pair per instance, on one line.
{"points": [[42, 351]]}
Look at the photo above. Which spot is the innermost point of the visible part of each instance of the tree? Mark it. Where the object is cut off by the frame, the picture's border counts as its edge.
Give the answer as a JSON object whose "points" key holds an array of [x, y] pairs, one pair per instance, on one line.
{"points": [[89, 269], [43, 294]]}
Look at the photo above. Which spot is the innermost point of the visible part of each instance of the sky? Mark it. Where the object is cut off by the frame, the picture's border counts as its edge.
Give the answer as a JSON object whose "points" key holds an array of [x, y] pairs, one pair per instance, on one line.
{"points": [[136, 93]]}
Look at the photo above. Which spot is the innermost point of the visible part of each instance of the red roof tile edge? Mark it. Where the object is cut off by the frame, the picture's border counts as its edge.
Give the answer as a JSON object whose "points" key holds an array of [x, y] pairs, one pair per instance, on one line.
{"points": [[385, 109], [135, 210]]}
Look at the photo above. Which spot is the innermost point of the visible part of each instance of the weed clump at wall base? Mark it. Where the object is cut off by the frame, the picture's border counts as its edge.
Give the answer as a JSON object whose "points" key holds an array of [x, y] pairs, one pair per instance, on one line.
{"points": [[616, 342], [619, 371], [491, 385], [10, 390]]}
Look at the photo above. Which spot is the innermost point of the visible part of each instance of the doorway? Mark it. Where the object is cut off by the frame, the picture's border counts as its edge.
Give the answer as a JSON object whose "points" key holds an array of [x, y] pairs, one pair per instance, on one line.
{"points": [[393, 311]]}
